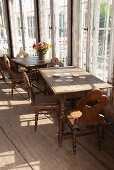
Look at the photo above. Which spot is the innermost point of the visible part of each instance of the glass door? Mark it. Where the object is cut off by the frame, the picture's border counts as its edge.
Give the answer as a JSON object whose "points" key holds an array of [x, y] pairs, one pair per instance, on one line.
{"points": [[60, 30], [45, 24], [101, 32], [3, 30], [22, 25], [83, 33], [53, 26], [95, 36]]}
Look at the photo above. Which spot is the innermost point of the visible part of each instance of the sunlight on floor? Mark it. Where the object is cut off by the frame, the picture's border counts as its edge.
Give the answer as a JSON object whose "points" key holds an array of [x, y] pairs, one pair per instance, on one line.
{"points": [[35, 164], [5, 107], [16, 91], [9, 161], [29, 119], [8, 156], [12, 102]]}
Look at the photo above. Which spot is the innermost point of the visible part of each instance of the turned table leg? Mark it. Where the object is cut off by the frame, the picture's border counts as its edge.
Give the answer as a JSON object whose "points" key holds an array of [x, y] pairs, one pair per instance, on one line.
{"points": [[61, 120]]}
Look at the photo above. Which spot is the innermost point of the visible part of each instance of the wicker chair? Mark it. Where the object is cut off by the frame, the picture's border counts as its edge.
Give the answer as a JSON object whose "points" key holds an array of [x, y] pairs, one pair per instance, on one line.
{"points": [[87, 119]]}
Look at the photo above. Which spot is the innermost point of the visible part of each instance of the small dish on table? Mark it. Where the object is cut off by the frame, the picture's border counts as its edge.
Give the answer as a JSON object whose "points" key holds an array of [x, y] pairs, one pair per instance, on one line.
{"points": [[75, 75], [56, 75]]}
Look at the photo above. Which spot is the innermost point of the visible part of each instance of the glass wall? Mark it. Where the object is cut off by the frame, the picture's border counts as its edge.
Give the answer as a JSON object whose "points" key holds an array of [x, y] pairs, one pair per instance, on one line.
{"points": [[53, 26], [3, 29], [22, 25], [104, 39], [95, 31], [89, 33]]}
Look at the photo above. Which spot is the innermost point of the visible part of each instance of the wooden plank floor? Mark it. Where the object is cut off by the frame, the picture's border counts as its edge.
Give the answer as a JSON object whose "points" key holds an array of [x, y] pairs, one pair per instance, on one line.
{"points": [[22, 148]]}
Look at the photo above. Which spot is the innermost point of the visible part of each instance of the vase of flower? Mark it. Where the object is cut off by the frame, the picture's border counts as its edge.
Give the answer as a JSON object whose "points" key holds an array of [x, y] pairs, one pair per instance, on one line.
{"points": [[42, 56], [42, 48]]}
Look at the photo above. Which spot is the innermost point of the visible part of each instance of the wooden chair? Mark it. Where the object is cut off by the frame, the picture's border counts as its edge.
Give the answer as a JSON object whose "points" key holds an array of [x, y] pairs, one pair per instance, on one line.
{"points": [[40, 103], [112, 89], [44, 103], [17, 78], [55, 62], [112, 92], [2, 75], [22, 54], [2, 69], [87, 119]]}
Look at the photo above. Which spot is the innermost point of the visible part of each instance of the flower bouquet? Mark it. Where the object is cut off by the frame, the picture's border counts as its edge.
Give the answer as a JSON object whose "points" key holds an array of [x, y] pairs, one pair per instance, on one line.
{"points": [[42, 48]]}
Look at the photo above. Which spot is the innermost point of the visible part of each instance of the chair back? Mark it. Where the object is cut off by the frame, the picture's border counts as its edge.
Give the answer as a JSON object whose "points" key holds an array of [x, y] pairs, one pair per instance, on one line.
{"points": [[9, 68], [7, 63], [22, 54], [55, 61], [91, 106], [26, 81], [28, 86]]}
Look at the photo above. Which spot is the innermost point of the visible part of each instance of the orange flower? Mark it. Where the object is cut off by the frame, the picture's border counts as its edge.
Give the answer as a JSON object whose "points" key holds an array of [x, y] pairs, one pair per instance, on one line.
{"points": [[41, 45]]}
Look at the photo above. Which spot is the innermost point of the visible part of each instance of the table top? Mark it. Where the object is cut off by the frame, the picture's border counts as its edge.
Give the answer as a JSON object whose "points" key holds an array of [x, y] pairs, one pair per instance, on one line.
{"points": [[31, 61], [71, 79]]}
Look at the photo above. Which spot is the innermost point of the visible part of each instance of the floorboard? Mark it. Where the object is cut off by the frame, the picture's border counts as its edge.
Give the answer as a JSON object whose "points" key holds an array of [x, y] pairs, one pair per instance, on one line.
{"points": [[39, 150]]}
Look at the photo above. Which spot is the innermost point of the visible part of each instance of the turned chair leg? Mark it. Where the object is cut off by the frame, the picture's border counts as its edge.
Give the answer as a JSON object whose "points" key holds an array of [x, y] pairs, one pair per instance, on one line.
{"points": [[3, 77], [100, 135], [36, 120], [74, 133], [13, 85]]}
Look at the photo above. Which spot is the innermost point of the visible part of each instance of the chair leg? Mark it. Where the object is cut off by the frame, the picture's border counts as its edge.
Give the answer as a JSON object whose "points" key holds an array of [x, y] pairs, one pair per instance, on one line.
{"points": [[3, 77], [12, 87], [100, 133], [36, 120], [28, 95], [74, 133]]}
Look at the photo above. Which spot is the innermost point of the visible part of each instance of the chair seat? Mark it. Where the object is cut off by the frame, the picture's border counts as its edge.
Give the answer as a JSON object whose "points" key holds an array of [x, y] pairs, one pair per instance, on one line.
{"points": [[74, 116], [44, 103], [16, 75], [21, 68], [45, 100]]}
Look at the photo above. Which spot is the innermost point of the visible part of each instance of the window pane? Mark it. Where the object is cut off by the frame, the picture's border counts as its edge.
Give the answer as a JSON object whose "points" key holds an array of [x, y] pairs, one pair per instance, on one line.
{"points": [[104, 39], [23, 25], [3, 30], [16, 25], [45, 24], [29, 26], [61, 30], [57, 11]]}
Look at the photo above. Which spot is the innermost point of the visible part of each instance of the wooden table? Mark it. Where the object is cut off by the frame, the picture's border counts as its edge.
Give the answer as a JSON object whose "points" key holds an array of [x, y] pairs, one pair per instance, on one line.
{"points": [[70, 80], [30, 62]]}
